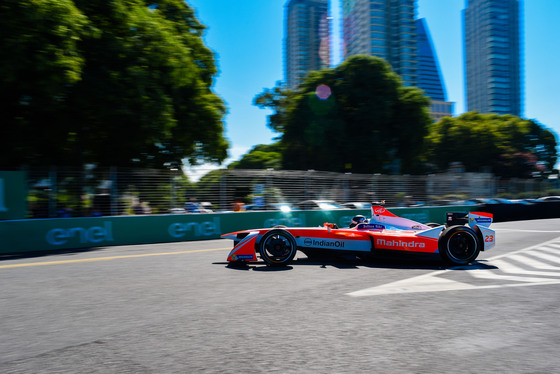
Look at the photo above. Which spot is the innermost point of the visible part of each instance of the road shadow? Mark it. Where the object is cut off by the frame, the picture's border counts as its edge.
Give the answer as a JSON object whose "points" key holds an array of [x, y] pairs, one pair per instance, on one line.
{"points": [[416, 261], [400, 261], [54, 252], [477, 265], [255, 266]]}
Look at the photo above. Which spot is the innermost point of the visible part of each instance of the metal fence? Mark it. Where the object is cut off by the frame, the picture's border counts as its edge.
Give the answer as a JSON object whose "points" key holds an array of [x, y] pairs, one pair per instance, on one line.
{"points": [[92, 191]]}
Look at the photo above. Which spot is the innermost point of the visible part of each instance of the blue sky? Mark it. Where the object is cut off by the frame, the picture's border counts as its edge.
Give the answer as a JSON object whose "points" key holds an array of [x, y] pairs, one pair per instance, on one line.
{"points": [[247, 39]]}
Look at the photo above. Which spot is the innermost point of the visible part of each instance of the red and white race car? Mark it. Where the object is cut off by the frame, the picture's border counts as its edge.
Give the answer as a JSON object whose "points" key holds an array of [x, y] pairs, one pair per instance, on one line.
{"points": [[459, 241]]}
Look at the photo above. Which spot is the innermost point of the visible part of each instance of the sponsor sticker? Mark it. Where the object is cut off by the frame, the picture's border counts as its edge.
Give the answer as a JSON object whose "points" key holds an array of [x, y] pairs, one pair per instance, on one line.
{"points": [[482, 220], [370, 226], [243, 257], [206, 228], [323, 243], [398, 243], [94, 234]]}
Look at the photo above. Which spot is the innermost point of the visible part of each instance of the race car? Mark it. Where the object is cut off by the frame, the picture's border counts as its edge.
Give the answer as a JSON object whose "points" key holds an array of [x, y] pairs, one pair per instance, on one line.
{"points": [[458, 242]]}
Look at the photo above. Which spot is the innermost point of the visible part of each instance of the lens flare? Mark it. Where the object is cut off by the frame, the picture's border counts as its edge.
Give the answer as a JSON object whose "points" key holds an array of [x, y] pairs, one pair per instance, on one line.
{"points": [[323, 92]]}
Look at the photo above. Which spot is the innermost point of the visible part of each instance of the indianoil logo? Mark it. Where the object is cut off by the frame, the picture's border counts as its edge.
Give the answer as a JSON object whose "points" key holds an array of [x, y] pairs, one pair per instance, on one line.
{"points": [[323, 243]]}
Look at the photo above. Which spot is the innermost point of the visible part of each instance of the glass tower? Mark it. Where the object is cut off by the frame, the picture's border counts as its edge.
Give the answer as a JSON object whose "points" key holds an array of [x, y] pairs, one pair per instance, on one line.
{"points": [[307, 42], [492, 42], [429, 77], [383, 28], [388, 29]]}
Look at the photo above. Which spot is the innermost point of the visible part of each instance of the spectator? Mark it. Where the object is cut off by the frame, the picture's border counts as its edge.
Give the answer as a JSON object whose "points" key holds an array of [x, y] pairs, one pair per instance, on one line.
{"points": [[64, 212], [408, 200], [192, 206], [146, 209], [137, 208], [238, 206], [141, 207], [102, 204], [40, 207]]}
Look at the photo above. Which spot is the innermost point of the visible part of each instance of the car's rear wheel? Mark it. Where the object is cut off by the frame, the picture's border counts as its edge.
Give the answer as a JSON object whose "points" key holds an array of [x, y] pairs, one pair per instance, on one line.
{"points": [[459, 245], [277, 247]]}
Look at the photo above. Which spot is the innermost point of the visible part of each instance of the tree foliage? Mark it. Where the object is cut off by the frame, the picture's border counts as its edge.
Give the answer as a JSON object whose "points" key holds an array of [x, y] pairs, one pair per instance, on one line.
{"points": [[120, 82], [262, 156], [278, 99], [357, 117], [507, 145]]}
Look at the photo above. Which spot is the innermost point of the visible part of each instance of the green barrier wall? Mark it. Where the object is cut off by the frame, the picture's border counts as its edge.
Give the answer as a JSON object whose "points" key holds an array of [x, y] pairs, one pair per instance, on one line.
{"points": [[13, 194], [17, 236]]}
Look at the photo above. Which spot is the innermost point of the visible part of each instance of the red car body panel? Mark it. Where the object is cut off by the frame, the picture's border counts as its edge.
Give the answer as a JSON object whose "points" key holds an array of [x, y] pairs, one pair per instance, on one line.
{"points": [[384, 231]]}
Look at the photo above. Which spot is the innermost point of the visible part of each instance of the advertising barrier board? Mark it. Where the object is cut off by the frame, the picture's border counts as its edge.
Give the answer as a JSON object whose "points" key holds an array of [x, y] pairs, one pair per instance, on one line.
{"points": [[17, 236], [13, 194]]}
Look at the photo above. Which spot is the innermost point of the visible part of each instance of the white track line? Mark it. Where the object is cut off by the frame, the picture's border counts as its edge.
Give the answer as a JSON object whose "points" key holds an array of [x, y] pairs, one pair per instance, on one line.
{"points": [[430, 282]]}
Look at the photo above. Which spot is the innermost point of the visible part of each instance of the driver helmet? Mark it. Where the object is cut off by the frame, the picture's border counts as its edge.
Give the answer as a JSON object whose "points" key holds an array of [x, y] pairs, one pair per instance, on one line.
{"points": [[357, 220]]}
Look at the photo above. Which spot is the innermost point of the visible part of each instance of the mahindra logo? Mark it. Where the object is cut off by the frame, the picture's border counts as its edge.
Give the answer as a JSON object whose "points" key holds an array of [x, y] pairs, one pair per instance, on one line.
{"points": [[378, 210], [398, 243]]}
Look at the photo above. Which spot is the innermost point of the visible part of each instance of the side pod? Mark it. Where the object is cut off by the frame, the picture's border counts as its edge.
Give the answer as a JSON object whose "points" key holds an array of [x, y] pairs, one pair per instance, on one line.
{"points": [[244, 251]]}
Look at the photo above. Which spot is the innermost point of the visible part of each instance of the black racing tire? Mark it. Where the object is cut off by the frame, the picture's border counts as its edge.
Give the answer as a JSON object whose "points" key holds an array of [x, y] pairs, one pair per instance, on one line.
{"points": [[459, 245], [277, 247]]}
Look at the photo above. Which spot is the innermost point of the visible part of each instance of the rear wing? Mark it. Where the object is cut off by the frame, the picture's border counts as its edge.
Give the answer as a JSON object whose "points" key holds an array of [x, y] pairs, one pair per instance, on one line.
{"points": [[481, 219]]}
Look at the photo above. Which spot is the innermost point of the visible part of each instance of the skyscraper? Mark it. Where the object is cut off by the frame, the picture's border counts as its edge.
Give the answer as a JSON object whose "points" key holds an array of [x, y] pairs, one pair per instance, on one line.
{"points": [[493, 56], [388, 29], [429, 78], [383, 28], [307, 42], [429, 75]]}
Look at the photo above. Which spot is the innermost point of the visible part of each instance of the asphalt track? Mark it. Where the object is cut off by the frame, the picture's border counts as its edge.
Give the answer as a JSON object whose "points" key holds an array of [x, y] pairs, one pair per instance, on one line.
{"points": [[178, 308]]}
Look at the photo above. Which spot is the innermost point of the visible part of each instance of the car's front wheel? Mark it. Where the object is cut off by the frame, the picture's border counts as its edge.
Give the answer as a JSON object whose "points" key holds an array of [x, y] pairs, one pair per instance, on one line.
{"points": [[459, 245], [277, 247]]}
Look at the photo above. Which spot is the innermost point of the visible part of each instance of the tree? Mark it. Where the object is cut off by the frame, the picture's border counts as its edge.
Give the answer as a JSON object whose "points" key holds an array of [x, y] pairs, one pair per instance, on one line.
{"points": [[278, 99], [260, 157], [507, 145], [357, 117], [40, 60], [123, 82]]}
